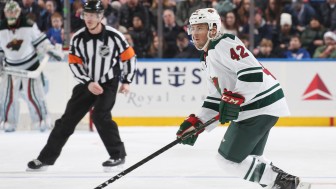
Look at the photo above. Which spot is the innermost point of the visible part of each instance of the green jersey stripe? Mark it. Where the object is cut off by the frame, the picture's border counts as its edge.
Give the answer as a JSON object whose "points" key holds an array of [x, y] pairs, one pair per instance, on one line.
{"points": [[212, 106], [268, 90], [213, 98], [249, 69], [252, 77], [268, 100]]}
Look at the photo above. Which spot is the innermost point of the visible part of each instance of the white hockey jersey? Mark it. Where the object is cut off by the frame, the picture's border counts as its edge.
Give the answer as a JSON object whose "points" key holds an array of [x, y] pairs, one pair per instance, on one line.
{"points": [[19, 44], [229, 65]]}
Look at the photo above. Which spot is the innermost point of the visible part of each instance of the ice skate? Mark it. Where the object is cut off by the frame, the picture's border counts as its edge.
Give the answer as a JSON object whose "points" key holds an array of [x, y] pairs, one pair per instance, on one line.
{"points": [[45, 125], [113, 165], [8, 127], [36, 166], [288, 181], [42, 125], [35, 125]]}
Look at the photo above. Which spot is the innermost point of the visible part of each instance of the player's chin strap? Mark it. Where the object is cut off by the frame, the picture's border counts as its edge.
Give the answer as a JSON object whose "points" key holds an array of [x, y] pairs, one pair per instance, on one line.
{"points": [[177, 141], [27, 73]]}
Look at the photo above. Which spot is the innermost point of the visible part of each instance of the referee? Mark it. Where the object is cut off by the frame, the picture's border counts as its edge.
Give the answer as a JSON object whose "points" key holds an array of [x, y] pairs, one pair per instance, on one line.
{"points": [[99, 57]]}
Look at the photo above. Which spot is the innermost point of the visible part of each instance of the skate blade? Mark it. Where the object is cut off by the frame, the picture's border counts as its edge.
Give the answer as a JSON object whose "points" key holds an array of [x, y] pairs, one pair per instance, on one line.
{"points": [[304, 185], [9, 130], [44, 168], [109, 169]]}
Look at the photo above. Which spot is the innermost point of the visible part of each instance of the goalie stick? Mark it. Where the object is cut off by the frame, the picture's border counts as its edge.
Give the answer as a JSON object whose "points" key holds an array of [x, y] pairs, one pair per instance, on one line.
{"points": [[165, 148], [27, 73]]}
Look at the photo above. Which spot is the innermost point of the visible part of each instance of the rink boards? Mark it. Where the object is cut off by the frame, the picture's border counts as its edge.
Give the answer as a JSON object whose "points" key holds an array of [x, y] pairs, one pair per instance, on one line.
{"points": [[165, 91]]}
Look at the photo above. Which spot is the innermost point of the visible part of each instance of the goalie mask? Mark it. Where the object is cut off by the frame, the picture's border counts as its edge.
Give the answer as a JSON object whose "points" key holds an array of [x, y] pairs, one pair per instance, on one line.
{"points": [[207, 16], [12, 12]]}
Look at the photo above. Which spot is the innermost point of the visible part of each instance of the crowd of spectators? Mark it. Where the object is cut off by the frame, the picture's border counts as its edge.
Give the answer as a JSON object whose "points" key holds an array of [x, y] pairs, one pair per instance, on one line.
{"points": [[282, 28]]}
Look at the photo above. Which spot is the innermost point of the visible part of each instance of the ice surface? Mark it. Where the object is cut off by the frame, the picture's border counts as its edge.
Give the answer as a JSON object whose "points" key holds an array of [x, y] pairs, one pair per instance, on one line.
{"points": [[306, 151]]}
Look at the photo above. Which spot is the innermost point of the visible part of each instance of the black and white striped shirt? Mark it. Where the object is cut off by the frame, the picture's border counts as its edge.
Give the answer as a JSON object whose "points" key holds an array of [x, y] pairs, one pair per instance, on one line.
{"points": [[98, 57]]}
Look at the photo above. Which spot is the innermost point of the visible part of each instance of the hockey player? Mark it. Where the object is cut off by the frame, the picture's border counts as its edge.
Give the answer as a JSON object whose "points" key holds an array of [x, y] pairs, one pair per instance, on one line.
{"points": [[21, 43], [96, 56], [244, 93]]}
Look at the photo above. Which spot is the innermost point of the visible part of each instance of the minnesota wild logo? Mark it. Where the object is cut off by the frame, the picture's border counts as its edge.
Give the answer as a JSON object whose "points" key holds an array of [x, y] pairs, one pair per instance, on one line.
{"points": [[15, 44]]}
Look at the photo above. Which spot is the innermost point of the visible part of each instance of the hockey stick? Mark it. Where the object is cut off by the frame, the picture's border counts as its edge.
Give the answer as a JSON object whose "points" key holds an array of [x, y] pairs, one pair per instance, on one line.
{"points": [[27, 73], [165, 148]]}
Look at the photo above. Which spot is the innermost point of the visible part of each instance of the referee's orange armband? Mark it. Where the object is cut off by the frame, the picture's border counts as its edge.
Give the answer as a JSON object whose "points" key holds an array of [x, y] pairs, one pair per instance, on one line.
{"points": [[73, 59], [127, 54]]}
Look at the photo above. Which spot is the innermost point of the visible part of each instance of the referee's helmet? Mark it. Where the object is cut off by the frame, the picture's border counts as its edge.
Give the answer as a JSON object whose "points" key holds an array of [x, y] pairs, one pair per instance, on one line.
{"points": [[93, 6]]}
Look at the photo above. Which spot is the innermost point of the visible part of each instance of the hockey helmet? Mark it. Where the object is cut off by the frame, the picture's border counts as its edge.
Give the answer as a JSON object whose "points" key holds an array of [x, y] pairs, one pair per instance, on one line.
{"points": [[12, 12], [207, 16], [93, 6]]}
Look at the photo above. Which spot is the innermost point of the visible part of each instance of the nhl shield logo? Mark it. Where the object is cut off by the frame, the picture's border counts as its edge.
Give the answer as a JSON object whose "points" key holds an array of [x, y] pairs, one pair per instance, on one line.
{"points": [[104, 51]]}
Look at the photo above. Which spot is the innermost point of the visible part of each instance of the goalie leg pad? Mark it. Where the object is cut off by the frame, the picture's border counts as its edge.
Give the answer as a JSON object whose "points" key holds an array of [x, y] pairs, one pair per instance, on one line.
{"points": [[10, 107], [33, 94]]}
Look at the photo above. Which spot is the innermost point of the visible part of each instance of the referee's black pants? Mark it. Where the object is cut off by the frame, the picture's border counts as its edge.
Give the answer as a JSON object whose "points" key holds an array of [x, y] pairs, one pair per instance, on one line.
{"points": [[79, 104]]}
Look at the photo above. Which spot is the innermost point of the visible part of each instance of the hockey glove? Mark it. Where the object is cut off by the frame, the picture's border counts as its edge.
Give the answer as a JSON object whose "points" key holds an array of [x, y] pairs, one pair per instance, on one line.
{"points": [[55, 52], [229, 106], [190, 123]]}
